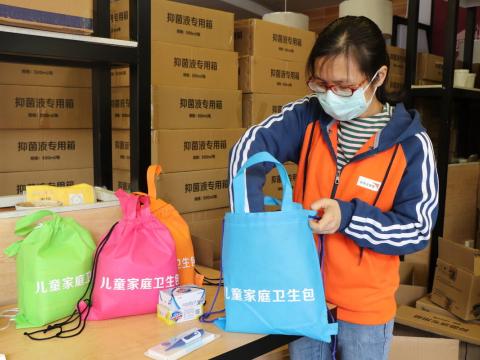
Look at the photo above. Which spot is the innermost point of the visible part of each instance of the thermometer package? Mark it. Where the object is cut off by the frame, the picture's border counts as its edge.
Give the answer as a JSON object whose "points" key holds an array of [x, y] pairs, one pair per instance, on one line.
{"points": [[181, 345]]}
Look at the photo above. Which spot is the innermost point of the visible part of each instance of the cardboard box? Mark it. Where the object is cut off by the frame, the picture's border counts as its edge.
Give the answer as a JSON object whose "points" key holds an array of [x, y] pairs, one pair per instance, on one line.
{"points": [[469, 351], [180, 150], [178, 23], [183, 108], [206, 228], [395, 83], [194, 190], [426, 304], [44, 75], [271, 76], [264, 38], [413, 283], [456, 290], [121, 179], [460, 221], [30, 150], [423, 348], [187, 66], [207, 239], [121, 149], [397, 60], [273, 184], [194, 108], [459, 255], [429, 67], [196, 149], [42, 107], [16, 182], [74, 17], [120, 76], [257, 107], [438, 324]]}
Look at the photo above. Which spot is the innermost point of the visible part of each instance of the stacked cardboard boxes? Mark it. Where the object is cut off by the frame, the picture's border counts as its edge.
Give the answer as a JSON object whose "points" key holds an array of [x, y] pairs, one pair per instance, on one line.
{"points": [[272, 64], [46, 125], [429, 69], [457, 276], [453, 307], [273, 61], [196, 110]]}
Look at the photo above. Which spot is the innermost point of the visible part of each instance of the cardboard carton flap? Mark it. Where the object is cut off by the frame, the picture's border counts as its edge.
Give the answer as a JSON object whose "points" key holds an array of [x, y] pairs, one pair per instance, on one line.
{"points": [[438, 324], [459, 255]]}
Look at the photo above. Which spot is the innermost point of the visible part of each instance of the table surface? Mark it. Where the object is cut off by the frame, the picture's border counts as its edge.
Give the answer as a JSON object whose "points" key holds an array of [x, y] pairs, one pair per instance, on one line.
{"points": [[130, 337]]}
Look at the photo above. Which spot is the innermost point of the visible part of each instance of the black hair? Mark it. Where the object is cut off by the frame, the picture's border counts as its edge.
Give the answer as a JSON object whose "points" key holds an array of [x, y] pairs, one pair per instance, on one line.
{"points": [[356, 36]]}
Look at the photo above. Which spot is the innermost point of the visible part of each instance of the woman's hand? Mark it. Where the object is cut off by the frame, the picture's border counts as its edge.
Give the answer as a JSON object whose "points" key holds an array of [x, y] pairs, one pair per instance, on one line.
{"points": [[330, 221]]}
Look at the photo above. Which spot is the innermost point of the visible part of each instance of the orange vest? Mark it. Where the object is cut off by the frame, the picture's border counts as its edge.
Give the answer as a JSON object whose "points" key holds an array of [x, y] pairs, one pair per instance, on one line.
{"points": [[362, 283]]}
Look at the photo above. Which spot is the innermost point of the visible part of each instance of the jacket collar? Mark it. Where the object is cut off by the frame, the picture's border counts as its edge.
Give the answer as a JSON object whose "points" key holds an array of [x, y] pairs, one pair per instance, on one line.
{"points": [[403, 124]]}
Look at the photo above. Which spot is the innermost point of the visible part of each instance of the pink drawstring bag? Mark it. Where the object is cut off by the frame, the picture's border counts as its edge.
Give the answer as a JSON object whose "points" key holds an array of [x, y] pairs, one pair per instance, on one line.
{"points": [[133, 262]]}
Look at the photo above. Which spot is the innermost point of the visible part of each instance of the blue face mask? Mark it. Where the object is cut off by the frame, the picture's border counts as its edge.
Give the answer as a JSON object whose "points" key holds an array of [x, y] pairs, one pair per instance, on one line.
{"points": [[345, 108]]}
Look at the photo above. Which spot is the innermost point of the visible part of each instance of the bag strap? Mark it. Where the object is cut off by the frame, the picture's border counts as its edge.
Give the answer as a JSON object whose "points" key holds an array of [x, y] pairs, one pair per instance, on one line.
{"points": [[152, 172], [26, 224], [78, 313], [239, 182]]}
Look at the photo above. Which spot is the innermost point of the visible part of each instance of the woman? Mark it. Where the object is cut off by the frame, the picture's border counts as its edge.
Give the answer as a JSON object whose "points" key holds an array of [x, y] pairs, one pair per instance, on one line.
{"points": [[367, 167]]}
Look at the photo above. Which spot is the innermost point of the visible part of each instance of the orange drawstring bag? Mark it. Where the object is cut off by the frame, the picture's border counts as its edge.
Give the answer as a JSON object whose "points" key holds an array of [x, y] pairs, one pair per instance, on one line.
{"points": [[171, 218]]}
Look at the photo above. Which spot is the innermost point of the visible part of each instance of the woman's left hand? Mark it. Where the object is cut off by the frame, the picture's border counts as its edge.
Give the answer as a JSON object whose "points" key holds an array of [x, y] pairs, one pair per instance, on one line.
{"points": [[332, 216]]}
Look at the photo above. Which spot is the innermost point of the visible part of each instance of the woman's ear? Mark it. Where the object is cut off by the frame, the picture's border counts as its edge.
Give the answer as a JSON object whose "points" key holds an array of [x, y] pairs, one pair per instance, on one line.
{"points": [[381, 76]]}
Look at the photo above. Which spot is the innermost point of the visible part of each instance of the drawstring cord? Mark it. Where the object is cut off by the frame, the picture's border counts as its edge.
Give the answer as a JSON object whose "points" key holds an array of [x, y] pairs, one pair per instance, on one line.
{"points": [[205, 317]]}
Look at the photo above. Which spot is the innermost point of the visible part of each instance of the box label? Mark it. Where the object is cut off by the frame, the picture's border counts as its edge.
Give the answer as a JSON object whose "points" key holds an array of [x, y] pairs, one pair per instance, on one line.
{"points": [[34, 107]]}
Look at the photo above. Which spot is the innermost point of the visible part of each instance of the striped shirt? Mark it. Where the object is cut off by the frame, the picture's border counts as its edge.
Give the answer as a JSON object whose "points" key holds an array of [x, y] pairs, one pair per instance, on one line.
{"points": [[353, 134]]}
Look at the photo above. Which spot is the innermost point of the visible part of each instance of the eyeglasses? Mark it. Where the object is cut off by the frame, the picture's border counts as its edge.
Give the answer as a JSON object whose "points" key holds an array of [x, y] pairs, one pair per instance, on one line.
{"points": [[319, 86]]}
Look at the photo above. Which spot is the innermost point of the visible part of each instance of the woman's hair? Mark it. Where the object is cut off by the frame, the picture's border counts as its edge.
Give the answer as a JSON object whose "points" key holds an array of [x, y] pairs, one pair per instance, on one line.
{"points": [[357, 37]]}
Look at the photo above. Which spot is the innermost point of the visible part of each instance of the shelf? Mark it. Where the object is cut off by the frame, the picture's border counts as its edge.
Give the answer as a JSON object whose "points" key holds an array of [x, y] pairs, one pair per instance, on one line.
{"points": [[438, 91], [427, 90], [15, 41]]}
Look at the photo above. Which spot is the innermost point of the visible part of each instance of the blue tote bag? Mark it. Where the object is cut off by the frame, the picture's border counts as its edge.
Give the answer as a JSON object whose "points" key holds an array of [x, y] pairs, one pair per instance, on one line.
{"points": [[271, 269]]}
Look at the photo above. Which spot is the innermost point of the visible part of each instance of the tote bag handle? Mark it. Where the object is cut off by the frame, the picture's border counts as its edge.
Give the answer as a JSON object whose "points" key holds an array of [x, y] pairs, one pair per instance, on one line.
{"points": [[239, 182], [152, 172]]}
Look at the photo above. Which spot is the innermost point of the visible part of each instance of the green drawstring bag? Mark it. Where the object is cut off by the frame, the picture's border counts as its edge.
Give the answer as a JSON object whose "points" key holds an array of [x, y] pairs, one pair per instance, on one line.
{"points": [[54, 262]]}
